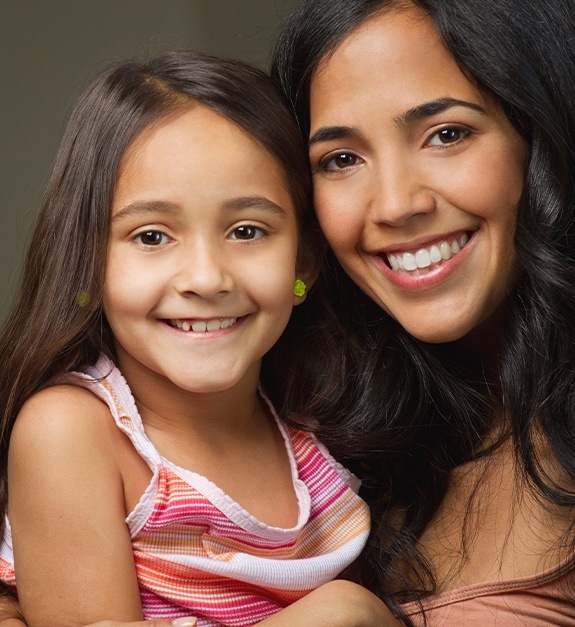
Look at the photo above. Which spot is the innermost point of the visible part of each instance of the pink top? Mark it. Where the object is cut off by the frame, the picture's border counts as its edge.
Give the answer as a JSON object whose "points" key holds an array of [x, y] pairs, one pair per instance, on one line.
{"points": [[544, 599], [198, 552]]}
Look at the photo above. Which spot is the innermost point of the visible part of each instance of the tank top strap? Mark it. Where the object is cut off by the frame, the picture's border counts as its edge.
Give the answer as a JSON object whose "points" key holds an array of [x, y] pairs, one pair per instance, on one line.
{"points": [[105, 381]]}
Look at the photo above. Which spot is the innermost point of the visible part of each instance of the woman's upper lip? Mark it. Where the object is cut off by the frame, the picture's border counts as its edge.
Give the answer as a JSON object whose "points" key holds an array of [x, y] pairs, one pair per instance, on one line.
{"points": [[421, 242]]}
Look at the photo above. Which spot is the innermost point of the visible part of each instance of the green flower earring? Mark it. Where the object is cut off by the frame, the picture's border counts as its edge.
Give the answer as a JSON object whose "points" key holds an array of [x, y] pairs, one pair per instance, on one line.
{"points": [[299, 288]]}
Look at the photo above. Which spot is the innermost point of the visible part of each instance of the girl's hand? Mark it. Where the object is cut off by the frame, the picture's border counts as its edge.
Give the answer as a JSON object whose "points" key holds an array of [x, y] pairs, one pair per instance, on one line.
{"points": [[335, 604]]}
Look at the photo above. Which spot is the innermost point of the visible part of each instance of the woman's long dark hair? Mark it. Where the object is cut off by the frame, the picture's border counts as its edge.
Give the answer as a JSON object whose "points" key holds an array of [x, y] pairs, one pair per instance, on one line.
{"points": [[404, 413], [57, 323]]}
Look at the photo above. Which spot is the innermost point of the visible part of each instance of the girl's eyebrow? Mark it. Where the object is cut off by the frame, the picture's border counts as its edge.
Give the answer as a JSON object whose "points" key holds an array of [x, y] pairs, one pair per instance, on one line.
{"points": [[425, 110], [253, 202], [142, 207]]}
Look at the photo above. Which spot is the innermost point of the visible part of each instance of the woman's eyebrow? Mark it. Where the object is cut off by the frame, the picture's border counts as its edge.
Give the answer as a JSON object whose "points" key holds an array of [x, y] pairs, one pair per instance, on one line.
{"points": [[434, 107], [329, 133], [424, 110]]}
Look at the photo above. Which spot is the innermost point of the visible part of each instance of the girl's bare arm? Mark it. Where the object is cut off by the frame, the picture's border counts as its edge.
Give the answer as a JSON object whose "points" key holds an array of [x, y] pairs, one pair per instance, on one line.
{"points": [[72, 547]]}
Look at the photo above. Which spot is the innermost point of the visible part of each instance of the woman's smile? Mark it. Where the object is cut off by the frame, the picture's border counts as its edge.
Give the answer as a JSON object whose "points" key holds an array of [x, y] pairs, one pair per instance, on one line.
{"points": [[418, 260]]}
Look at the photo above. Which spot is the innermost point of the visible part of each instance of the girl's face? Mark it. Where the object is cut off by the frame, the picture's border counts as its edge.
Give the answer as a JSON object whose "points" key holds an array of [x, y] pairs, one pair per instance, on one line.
{"points": [[202, 254], [417, 177]]}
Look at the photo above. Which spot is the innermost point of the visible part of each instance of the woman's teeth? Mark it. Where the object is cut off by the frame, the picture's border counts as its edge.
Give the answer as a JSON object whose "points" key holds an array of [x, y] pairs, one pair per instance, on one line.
{"points": [[202, 326], [426, 257]]}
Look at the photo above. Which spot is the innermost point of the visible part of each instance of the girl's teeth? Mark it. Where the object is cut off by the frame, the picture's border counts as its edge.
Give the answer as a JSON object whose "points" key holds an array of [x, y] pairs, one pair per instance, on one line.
{"points": [[201, 326], [426, 257]]}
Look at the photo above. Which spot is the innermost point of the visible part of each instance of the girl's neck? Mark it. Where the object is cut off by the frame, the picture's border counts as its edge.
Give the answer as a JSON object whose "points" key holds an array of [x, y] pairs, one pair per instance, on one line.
{"points": [[218, 415]]}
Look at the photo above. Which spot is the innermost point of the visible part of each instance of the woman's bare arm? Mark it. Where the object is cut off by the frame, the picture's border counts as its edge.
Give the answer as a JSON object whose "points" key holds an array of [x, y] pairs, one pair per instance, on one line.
{"points": [[335, 604]]}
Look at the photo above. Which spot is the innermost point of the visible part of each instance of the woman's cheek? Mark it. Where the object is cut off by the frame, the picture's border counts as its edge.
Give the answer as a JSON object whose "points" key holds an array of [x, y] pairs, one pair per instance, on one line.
{"points": [[339, 217]]}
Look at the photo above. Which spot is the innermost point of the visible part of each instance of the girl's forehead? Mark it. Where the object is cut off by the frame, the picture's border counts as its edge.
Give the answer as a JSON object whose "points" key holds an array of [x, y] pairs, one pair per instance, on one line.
{"points": [[197, 155]]}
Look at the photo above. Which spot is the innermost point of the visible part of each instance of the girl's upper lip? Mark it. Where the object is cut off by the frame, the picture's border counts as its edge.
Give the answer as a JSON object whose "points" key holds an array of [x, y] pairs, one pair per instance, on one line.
{"points": [[422, 242]]}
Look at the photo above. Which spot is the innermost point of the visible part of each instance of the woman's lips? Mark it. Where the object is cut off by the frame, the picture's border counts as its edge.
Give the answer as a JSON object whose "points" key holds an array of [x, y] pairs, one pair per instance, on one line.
{"points": [[426, 265], [425, 258]]}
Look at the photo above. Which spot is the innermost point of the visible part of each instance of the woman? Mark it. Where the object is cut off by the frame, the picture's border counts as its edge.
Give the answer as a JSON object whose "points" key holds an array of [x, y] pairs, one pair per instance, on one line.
{"points": [[441, 138]]}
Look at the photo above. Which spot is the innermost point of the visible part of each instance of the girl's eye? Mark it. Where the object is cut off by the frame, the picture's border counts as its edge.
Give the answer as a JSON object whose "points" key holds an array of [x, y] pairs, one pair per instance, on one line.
{"points": [[340, 161], [448, 136], [151, 239], [247, 232]]}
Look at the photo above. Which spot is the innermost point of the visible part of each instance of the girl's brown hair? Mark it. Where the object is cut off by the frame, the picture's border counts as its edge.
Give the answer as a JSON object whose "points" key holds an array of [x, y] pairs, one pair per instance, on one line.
{"points": [[57, 323]]}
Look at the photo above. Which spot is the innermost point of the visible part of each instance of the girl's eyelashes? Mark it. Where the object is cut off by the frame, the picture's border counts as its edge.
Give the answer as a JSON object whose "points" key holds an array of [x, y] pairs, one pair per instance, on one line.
{"points": [[247, 232], [151, 239], [337, 162], [448, 136]]}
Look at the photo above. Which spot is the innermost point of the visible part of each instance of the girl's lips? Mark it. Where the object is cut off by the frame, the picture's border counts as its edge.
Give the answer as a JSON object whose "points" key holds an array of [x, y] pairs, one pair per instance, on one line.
{"points": [[426, 266]]}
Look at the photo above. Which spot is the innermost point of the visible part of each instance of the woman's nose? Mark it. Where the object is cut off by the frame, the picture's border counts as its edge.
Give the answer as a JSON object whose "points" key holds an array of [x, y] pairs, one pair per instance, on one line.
{"points": [[400, 192]]}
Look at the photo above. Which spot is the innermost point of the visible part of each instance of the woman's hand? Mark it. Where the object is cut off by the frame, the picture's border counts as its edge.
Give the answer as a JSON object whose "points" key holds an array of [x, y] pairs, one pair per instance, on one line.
{"points": [[12, 621], [10, 616], [177, 622], [335, 604]]}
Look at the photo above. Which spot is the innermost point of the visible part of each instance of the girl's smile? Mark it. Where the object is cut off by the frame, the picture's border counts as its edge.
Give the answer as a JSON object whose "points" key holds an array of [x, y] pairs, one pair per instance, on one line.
{"points": [[417, 177], [202, 327]]}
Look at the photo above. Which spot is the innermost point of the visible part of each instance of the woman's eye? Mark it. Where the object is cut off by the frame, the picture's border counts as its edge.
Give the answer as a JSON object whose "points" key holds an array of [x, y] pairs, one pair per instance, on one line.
{"points": [[151, 239], [448, 135], [340, 161], [247, 232]]}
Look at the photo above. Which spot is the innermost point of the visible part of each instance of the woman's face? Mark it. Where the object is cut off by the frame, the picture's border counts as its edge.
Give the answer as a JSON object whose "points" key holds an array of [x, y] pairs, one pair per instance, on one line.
{"points": [[417, 177]]}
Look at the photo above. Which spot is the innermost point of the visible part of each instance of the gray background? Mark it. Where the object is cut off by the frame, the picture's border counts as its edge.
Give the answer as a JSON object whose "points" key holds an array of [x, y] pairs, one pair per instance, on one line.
{"points": [[49, 51]]}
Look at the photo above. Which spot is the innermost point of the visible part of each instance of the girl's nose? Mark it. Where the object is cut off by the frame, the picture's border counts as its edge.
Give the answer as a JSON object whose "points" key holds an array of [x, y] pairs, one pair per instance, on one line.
{"points": [[203, 271]]}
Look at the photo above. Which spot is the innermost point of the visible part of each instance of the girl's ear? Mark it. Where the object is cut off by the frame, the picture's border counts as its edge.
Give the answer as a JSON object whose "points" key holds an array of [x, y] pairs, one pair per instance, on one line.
{"points": [[310, 259]]}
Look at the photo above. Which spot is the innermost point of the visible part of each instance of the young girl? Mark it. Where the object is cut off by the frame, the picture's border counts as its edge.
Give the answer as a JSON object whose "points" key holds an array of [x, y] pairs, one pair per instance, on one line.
{"points": [[146, 475]]}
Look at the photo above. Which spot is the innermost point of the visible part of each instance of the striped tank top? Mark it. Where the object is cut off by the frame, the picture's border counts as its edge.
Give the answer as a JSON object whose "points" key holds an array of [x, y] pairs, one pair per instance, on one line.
{"points": [[198, 553]]}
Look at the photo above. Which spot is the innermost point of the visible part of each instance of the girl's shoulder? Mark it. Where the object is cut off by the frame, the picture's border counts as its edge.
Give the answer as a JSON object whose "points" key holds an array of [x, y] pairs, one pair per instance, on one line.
{"points": [[63, 421]]}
